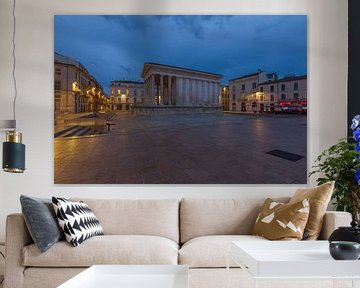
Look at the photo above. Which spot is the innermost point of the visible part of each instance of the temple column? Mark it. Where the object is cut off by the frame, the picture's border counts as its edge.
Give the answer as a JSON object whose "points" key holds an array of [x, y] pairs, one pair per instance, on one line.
{"points": [[194, 98], [190, 94], [206, 92], [181, 92], [174, 95], [187, 93], [152, 88], [161, 90], [169, 94], [200, 93], [147, 92]]}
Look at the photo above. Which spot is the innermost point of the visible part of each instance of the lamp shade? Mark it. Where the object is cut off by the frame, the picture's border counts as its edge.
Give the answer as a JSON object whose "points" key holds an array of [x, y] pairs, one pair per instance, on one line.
{"points": [[13, 153]]}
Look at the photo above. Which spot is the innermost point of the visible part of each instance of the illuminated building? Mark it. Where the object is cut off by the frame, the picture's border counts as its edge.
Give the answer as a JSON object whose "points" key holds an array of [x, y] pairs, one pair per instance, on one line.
{"points": [[75, 89], [123, 94], [288, 94], [244, 94]]}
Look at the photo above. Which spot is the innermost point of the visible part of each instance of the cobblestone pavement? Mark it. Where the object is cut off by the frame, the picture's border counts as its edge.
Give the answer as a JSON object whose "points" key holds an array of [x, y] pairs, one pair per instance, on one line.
{"points": [[185, 149]]}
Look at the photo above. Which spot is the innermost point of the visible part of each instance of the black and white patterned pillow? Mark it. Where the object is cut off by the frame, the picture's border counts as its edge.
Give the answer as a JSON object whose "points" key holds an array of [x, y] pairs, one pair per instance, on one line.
{"points": [[77, 220]]}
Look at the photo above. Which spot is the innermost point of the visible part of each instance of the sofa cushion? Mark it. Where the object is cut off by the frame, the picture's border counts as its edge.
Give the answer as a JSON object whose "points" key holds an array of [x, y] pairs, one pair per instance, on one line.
{"points": [[158, 217], [279, 221], [107, 249], [41, 221], [77, 220], [211, 251], [201, 217], [319, 198]]}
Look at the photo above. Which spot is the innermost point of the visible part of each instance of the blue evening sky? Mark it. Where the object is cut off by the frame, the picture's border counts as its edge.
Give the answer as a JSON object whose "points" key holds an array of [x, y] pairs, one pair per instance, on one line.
{"points": [[115, 47]]}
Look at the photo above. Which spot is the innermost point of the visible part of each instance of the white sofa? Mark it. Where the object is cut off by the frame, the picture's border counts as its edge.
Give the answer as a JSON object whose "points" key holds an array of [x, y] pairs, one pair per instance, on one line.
{"points": [[194, 232]]}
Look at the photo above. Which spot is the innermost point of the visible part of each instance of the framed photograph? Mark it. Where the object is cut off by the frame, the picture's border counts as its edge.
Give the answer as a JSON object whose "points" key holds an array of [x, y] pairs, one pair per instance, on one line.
{"points": [[180, 99]]}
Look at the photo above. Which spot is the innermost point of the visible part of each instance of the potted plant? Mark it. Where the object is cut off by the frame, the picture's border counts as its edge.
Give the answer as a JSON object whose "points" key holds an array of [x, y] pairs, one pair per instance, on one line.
{"points": [[341, 163]]}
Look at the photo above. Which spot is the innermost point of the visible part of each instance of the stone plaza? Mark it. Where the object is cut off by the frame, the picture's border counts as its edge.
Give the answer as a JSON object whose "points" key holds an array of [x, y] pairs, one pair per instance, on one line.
{"points": [[187, 149]]}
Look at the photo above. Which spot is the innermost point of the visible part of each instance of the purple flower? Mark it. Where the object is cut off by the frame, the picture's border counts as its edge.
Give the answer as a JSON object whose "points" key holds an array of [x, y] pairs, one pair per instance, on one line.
{"points": [[357, 176], [357, 147], [355, 122], [356, 134]]}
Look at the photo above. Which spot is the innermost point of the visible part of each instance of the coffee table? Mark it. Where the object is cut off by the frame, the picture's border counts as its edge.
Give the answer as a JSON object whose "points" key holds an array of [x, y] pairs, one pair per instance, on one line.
{"points": [[131, 276], [292, 260]]}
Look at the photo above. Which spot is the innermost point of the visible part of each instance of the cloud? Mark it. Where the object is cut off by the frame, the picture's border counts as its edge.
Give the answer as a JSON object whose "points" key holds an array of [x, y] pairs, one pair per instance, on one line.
{"points": [[115, 47]]}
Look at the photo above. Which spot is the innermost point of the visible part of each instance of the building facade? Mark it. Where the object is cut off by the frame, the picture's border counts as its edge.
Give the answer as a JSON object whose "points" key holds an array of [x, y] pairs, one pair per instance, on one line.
{"points": [[179, 87], [244, 92], [261, 92], [124, 94], [75, 89], [288, 94]]}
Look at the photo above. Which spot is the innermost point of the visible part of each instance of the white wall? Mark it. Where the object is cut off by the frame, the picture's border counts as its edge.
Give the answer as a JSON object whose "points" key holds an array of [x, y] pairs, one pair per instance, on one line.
{"points": [[327, 69]]}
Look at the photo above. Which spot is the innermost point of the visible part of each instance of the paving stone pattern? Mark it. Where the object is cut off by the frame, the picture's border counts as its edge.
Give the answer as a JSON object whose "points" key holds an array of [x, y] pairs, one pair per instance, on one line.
{"points": [[186, 149]]}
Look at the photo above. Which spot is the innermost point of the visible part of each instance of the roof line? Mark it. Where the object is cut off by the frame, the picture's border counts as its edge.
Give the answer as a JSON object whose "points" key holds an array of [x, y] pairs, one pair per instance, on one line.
{"points": [[182, 68]]}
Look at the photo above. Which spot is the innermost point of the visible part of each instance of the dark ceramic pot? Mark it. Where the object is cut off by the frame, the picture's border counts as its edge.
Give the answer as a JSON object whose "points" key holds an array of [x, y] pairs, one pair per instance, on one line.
{"points": [[351, 233], [343, 250]]}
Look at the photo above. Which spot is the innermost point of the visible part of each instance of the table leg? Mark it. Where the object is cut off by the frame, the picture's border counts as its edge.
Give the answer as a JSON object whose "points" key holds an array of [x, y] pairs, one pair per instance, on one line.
{"points": [[255, 283], [228, 269]]}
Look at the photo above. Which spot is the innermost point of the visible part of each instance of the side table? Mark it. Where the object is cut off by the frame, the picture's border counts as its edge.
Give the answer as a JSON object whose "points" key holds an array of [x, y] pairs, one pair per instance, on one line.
{"points": [[293, 264]]}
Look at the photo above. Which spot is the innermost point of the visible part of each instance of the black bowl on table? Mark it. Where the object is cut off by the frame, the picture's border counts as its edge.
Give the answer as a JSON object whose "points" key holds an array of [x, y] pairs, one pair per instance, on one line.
{"points": [[344, 250]]}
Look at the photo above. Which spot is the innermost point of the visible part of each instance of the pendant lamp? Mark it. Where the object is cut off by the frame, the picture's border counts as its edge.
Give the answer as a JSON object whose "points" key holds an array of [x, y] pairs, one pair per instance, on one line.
{"points": [[13, 149]]}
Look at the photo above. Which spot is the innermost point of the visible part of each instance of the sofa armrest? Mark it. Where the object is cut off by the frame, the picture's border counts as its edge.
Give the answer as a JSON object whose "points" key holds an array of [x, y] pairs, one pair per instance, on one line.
{"points": [[333, 220], [17, 237]]}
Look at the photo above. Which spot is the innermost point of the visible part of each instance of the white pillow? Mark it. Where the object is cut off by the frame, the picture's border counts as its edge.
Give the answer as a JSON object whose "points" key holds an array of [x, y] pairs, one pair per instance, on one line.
{"points": [[76, 220]]}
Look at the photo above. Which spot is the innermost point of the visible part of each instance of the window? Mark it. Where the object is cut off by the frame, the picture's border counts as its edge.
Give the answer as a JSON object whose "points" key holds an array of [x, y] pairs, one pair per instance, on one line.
{"points": [[58, 71], [119, 91], [283, 96], [254, 85], [233, 88], [57, 85], [282, 87], [135, 93], [272, 98], [272, 88], [261, 89], [296, 96], [296, 86], [233, 97], [112, 92], [243, 87]]}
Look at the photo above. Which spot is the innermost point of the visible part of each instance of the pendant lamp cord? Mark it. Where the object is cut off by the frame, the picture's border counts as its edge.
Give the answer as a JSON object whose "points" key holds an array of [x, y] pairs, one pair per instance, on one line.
{"points": [[14, 61]]}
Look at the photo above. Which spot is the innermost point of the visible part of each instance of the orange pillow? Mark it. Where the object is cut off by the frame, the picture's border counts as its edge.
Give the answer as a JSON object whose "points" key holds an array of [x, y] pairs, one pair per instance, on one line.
{"points": [[279, 221], [319, 198]]}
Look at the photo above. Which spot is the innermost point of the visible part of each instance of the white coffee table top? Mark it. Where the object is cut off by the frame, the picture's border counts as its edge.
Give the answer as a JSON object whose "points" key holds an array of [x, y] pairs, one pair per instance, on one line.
{"points": [[291, 259], [131, 276]]}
